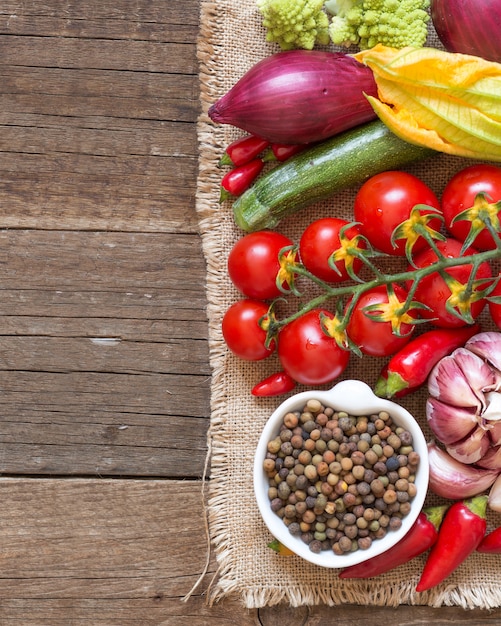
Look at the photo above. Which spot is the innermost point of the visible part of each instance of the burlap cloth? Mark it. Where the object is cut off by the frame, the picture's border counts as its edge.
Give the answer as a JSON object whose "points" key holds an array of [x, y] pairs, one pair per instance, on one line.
{"points": [[231, 41]]}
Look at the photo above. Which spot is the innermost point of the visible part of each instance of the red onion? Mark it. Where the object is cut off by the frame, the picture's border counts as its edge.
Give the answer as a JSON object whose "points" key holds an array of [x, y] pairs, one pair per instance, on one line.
{"points": [[469, 26], [299, 96]]}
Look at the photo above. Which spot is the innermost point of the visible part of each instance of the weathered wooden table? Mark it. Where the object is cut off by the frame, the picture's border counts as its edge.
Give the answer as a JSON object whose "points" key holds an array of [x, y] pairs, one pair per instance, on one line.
{"points": [[104, 375]]}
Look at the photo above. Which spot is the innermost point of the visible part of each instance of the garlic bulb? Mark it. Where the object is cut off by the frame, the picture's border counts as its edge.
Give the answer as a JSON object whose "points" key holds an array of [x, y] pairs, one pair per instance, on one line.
{"points": [[464, 413]]}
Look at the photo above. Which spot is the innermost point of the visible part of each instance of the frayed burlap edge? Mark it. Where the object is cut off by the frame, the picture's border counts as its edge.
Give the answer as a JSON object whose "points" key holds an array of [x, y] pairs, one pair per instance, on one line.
{"points": [[389, 590], [211, 146], [367, 594]]}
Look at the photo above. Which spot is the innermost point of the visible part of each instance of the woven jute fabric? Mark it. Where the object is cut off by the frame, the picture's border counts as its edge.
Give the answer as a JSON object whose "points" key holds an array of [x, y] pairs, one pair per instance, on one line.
{"points": [[231, 41]]}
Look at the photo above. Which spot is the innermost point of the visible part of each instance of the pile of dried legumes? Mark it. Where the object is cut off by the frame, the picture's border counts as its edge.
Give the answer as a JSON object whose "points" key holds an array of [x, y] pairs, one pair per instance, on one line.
{"points": [[339, 481]]}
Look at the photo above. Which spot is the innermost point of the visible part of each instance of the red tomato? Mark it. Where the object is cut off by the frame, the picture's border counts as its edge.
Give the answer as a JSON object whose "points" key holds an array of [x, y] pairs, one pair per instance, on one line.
{"points": [[253, 264], [434, 292], [385, 201], [377, 338], [459, 195], [319, 240], [307, 354], [242, 332]]}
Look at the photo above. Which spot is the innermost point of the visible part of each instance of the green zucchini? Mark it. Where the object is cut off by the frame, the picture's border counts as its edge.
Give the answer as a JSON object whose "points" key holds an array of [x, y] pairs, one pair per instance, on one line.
{"points": [[319, 172]]}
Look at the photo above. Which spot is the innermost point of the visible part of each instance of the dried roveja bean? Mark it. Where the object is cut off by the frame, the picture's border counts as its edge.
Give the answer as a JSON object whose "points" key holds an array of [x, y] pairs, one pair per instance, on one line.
{"points": [[338, 481]]}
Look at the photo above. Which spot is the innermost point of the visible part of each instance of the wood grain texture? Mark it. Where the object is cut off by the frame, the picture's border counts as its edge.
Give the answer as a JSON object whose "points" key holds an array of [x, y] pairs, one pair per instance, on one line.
{"points": [[96, 116], [102, 552], [104, 360], [104, 363], [103, 352], [108, 552], [353, 615]]}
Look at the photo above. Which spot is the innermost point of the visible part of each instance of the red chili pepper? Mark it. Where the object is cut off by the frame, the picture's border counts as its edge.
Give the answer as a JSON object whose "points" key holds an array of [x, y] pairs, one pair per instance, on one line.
{"points": [[422, 536], [243, 150], [274, 385], [283, 151], [236, 181], [460, 534], [382, 381], [409, 368], [491, 543]]}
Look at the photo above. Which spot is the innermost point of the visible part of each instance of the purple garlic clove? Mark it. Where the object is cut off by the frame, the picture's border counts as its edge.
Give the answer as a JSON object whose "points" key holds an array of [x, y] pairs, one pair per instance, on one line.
{"points": [[487, 345], [472, 448], [449, 423], [479, 375], [448, 384], [454, 480]]}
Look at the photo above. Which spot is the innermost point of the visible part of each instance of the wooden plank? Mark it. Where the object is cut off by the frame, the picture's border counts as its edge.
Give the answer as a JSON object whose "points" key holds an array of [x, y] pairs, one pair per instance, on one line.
{"points": [[154, 19], [176, 58], [58, 196], [85, 192], [93, 141], [102, 284], [82, 84], [178, 23], [101, 261], [103, 101], [183, 324], [103, 354], [99, 424]]}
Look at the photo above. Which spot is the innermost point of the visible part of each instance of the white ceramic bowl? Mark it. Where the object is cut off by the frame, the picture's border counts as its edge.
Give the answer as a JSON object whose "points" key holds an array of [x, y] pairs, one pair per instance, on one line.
{"points": [[356, 398]]}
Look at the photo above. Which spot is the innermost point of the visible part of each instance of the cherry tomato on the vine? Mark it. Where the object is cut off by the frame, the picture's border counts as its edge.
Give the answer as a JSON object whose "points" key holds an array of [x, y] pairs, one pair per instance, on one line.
{"points": [[433, 291], [460, 193], [378, 338], [320, 240], [253, 264], [242, 331], [385, 201], [307, 353]]}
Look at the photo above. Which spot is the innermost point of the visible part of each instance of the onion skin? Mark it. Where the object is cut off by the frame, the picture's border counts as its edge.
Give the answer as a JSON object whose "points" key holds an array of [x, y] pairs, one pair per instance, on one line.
{"points": [[298, 97], [469, 26]]}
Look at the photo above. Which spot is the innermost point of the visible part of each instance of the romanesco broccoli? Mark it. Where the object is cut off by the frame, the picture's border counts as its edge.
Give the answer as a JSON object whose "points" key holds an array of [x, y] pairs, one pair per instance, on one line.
{"points": [[295, 23], [365, 23]]}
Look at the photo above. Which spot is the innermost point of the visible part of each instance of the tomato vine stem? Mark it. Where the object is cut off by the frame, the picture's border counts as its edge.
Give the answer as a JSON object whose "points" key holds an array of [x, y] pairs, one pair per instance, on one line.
{"points": [[355, 289]]}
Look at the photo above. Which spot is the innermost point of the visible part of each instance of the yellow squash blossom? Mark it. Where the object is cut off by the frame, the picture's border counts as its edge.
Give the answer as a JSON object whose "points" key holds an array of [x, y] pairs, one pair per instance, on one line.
{"points": [[441, 100]]}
